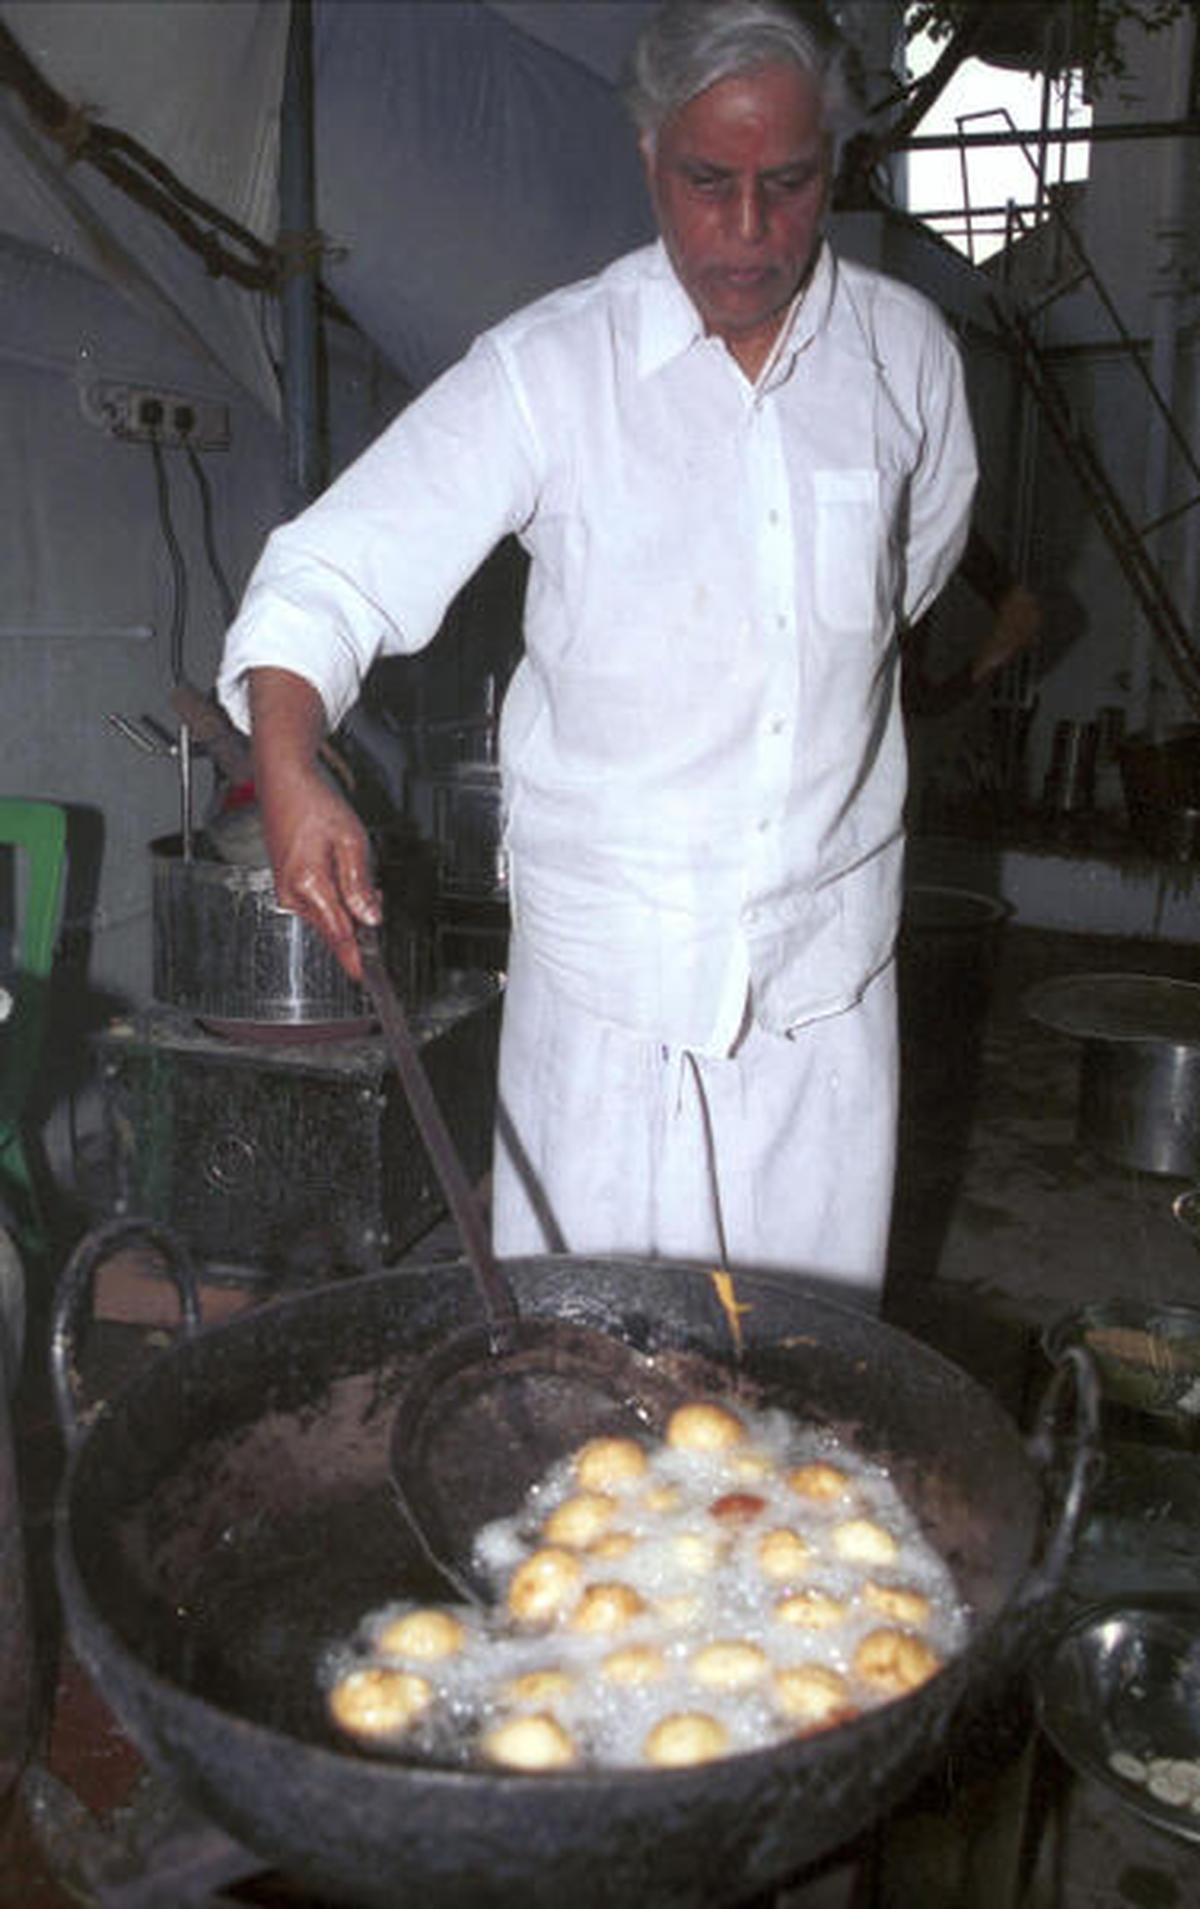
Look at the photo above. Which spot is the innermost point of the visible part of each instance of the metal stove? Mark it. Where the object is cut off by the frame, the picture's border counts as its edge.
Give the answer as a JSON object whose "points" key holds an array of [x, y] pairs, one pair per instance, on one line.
{"points": [[284, 1157]]}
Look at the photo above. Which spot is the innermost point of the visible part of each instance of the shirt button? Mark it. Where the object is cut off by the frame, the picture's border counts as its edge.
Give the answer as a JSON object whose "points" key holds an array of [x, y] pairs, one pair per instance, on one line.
{"points": [[778, 726], [764, 825], [781, 622], [772, 517]]}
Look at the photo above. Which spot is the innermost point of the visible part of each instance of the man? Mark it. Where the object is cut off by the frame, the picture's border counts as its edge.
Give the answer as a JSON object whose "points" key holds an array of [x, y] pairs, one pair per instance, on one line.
{"points": [[736, 464]]}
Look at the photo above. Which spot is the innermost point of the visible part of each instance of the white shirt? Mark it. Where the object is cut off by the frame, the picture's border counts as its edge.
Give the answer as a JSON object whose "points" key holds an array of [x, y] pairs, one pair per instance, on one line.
{"points": [[702, 747]]}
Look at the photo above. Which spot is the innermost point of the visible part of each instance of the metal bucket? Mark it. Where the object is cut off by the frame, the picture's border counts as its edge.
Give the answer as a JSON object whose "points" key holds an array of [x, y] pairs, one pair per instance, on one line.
{"points": [[225, 950], [1139, 1084], [1139, 1104]]}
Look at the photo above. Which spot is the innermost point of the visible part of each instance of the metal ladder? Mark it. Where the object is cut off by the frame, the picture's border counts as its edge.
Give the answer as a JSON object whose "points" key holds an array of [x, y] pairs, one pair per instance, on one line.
{"points": [[1126, 539]]}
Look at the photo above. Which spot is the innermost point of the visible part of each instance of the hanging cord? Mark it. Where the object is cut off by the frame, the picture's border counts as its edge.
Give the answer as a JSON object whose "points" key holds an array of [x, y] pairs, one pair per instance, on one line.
{"points": [[178, 567], [710, 1152], [228, 606]]}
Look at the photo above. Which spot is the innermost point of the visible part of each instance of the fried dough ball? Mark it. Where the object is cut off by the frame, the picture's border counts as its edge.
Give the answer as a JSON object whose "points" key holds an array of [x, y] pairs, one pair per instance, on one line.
{"points": [[538, 1687], [606, 1463], [544, 1585], [425, 1634], [685, 1737], [737, 1507], [818, 1480], [702, 1427], [862, 1541], [606, 1607], [613, 1544], [751, 1465], [536, 1742], [376, 1702], [729, 1664], [894, 1662], [577, 1522], [695, 1552], [634, 1664], [812, 1695], [899, 1602], [783, 1555], [811, 1611], [659, 1498]]}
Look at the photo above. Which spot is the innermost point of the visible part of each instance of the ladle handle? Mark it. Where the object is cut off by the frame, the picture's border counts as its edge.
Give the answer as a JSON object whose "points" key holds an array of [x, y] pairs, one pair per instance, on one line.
{"points": [[494, 1290]]}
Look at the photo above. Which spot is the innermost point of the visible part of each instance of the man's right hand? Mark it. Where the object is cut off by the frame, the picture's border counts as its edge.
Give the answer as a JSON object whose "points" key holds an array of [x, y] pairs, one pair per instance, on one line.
{"points": [[318, 848]]}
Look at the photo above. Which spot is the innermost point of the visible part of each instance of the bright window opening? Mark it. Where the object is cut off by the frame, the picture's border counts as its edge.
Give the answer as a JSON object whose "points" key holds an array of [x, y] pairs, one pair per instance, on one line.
{"points": [[979, 197]]}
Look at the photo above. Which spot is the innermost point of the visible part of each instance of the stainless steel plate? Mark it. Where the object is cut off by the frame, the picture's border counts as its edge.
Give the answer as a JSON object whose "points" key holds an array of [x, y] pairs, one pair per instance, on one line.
{"points": [[1119, 1007], [1123, 1681]]}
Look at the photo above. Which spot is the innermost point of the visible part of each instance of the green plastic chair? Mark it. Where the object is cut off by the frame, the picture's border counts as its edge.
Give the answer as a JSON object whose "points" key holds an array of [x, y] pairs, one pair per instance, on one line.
{"points": [[37, 833]]}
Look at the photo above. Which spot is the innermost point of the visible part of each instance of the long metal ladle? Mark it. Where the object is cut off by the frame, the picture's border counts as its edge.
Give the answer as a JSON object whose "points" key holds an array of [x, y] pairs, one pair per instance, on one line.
{"points": [[484, 1415]]}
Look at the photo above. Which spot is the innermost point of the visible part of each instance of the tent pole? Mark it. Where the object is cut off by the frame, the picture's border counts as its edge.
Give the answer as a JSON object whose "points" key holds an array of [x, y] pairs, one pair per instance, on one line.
{"points": [[298, 245]]}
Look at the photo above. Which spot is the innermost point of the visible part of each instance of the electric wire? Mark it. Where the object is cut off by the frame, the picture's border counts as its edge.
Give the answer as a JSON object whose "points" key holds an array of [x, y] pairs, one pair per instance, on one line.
{"points": [[179, 594], [228, 605]]}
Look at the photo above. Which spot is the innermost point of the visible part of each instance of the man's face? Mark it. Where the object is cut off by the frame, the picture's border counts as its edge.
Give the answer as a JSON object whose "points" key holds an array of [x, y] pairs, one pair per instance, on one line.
{"points": [[739, 178]]}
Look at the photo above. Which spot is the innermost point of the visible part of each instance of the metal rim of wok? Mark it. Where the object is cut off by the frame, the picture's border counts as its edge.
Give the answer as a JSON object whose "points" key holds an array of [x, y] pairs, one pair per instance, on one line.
{"points": [[230, 1429]]}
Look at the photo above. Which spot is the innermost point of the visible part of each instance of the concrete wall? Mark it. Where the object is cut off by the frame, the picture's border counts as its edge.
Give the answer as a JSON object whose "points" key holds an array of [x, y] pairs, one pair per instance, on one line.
{"points": [[91, 596]]}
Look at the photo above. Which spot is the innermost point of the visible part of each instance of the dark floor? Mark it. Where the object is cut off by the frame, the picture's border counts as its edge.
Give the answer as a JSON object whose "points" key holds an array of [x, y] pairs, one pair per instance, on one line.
{"points": [[1005, 1220]]}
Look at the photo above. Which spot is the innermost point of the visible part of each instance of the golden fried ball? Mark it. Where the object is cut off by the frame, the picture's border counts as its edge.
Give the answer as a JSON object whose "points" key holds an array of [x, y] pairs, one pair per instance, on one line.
{"points": [[894, 1662], [425, 1634], [899, 1602], [702, 1427], [696, 1552], [812, 1694], [862, 1541], [536, 1742], [818, 1480], [685, 1737], [606, 1607], [751, 1465], [535, 1688], [544, 1585], [657, 1499], [811, 1611], [729, 1664], [613, 1544], [634, 1664], [783, 1555], [376, 1702], [580, 1520], [604, 1464]]}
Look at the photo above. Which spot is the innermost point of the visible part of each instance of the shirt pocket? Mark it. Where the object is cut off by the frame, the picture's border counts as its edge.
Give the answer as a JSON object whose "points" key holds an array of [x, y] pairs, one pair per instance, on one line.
{"points": [[847, 547]]}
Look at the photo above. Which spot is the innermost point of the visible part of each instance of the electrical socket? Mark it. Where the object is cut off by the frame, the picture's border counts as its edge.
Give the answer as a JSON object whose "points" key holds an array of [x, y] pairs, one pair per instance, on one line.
{"points": [[144, 412]]}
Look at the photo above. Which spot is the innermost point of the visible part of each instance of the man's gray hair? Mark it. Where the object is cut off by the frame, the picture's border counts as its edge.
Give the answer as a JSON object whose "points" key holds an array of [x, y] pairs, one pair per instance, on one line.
{"points": [[689, 45]]}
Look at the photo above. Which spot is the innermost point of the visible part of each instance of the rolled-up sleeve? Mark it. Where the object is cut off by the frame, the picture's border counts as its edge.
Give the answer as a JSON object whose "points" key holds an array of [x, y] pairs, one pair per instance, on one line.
{"points": [[371, 568]]}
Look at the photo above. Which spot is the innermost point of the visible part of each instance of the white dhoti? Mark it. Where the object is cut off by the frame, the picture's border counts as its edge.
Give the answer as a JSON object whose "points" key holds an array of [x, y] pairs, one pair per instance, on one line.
{"points": [[780, 1156]]}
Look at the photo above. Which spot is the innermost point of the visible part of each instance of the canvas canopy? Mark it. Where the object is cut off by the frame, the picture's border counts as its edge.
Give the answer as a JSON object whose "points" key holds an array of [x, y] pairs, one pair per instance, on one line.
{"points": [[469, 155]]}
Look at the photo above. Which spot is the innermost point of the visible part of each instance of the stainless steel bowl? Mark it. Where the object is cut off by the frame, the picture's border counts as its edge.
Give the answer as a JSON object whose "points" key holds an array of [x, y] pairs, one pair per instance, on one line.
{"points": [[1119, 1699], [1147, 1357]]}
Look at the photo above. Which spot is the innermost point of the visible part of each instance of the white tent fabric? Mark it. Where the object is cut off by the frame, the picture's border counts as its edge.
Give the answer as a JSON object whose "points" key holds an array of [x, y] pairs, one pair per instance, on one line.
{"points": [[469, 155], [463, 168], [199, 84]]}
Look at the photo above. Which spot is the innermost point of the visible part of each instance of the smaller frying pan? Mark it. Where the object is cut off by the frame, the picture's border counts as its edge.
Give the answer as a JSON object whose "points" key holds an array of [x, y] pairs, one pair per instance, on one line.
{"points": [[492, 1408]]}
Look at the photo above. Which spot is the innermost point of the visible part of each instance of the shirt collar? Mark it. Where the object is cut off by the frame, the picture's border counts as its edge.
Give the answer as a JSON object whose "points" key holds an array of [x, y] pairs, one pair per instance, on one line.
{"points": [[668, 322]]}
